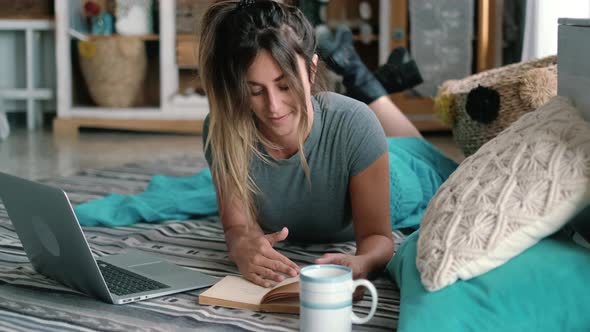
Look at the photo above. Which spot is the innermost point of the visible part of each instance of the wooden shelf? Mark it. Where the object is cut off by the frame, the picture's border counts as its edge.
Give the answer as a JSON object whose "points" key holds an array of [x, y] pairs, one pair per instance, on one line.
{"points": [[186, 51], [162, 110], [177, 58], [69, 127], [149, 37], [28, 17]]}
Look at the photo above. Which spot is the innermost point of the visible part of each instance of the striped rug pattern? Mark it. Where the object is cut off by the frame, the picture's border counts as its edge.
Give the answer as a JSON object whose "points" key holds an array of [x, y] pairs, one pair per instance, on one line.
{"points": [[32, 302]]}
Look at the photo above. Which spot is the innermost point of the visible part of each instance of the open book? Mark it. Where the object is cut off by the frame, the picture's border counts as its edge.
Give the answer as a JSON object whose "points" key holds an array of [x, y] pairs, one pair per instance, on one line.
{"points": [[237, 292]]}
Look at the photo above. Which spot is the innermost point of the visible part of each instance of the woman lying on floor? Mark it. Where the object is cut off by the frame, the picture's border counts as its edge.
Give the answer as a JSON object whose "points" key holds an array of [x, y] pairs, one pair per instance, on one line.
{"points": [[288, 162]]}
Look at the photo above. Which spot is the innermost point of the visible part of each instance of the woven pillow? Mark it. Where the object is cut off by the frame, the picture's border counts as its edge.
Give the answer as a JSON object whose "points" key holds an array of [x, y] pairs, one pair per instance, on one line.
{"points": [[480, 106], [515, 190]]}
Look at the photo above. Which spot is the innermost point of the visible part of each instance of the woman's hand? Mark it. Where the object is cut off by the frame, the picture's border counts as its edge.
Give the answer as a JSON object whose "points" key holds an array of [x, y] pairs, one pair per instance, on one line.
{"points": [[358, 264], [259, 262]]}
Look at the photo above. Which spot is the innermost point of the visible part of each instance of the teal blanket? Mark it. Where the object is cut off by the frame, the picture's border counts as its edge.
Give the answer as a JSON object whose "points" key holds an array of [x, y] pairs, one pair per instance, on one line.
{"points": [[416, 170]]}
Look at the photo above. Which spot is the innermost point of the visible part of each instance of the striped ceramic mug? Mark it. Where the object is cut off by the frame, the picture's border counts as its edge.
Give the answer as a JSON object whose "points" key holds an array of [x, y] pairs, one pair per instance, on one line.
{"points": [[326, 298]]}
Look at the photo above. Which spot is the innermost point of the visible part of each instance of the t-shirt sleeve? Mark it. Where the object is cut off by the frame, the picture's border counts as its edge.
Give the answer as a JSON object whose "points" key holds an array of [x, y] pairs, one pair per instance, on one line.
{"points": [[205, 134], [366, 140]]}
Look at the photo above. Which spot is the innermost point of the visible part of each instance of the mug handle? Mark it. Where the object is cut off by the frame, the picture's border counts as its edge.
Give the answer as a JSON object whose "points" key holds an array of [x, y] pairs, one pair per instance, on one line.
{"points": [[368, 285]]}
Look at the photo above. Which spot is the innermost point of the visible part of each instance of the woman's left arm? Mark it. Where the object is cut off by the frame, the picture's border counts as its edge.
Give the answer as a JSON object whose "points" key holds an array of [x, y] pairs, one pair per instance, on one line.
{"points": [[369, 194]]}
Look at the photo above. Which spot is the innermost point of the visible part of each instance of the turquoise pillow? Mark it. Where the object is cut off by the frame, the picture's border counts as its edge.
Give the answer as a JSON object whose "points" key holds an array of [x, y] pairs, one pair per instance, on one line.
{"points": [[416, 171], [546, 288]]}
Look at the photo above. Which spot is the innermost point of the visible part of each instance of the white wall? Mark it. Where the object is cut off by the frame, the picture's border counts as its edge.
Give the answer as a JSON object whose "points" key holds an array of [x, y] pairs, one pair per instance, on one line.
{"points": [[540, 35]]}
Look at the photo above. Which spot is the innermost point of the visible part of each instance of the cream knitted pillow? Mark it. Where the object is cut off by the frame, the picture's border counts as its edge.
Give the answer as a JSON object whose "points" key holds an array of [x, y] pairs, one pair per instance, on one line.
{"points": [[516, 189]]}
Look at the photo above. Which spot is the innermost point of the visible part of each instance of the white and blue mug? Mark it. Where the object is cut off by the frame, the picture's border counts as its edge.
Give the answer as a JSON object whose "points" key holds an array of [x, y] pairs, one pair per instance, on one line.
{"points": [[326, 298]]}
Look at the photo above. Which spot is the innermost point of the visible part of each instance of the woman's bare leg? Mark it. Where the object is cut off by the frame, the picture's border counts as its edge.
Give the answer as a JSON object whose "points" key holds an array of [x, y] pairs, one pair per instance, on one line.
{"points": [[393, 121]]}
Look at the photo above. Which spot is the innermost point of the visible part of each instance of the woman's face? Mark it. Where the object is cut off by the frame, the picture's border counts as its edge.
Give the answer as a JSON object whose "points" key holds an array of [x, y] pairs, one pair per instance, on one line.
{"points": [[273, 103]]}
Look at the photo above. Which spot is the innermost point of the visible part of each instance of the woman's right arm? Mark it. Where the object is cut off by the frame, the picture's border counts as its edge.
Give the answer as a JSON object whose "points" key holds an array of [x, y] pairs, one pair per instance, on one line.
{"points": [[250, 248], [247, 245]]}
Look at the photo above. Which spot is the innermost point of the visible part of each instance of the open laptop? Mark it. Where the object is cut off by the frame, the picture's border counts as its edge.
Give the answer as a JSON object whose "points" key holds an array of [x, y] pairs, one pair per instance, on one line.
{"points": [[56, 247]]}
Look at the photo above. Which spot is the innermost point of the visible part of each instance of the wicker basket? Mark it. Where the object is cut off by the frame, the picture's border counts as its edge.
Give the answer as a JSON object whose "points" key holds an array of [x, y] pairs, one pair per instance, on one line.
{"points": [[507, 81], [114, 69]]}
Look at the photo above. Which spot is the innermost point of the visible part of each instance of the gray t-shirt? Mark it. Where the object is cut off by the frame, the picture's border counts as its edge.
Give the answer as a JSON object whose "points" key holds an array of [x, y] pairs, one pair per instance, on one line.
{"points": [[345, 138]]}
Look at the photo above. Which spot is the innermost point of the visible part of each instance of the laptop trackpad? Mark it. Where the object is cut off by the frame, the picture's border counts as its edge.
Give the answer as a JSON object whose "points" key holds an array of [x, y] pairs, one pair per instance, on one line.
{"points": [[158, 269]]}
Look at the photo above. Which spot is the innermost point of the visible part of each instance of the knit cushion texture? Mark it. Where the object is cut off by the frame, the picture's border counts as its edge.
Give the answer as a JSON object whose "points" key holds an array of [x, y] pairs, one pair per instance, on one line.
{"points": [[517, 189]]}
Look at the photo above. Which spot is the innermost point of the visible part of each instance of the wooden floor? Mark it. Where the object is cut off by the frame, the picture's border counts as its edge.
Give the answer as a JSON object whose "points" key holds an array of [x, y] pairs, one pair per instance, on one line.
{"points": [[40, 154]]}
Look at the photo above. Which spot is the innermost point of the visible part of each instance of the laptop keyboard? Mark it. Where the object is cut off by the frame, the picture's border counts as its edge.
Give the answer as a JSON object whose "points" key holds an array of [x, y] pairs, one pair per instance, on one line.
{"points": [[124, 282]]}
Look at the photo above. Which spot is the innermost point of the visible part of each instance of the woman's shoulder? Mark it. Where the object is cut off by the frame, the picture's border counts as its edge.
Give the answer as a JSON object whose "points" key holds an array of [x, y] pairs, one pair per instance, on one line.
{"points": [[337, 108], [332, 101]]}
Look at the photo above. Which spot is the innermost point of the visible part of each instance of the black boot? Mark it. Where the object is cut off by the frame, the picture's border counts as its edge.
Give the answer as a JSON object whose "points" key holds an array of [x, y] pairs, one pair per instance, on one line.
{"points": [[339, 54], [311, 10], [399, 72]]}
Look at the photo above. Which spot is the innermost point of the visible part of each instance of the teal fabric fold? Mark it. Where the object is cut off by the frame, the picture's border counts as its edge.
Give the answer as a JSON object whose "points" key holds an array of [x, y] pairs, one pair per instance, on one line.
{"points": [[165, 198], [416, 170]]}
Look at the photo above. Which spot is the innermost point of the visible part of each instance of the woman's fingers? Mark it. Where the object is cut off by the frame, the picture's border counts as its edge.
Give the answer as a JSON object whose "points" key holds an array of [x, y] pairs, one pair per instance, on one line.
{"points": [[331, 259], [264, 270], [268, 274], [276, 262], [264, 264], [280, 263], [255, 278]]}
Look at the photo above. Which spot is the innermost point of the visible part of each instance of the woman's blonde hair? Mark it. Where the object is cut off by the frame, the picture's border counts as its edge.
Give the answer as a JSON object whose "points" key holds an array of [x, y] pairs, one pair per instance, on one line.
{"points": [[233, 34]]}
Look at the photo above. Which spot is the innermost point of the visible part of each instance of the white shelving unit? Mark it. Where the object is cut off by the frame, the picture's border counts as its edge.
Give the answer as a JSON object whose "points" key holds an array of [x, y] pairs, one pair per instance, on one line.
{"points": [[31, 93], [174, 114]]}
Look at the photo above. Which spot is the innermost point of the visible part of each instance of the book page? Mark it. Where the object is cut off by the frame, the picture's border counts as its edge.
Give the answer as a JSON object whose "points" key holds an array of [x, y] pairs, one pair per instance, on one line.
{"points": [[237, 292], [236, 289], [288, 288], [286, 282]]}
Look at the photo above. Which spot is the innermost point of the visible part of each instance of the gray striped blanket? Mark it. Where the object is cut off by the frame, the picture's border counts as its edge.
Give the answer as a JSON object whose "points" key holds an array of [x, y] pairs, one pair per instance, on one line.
{"points": [[32, 302]]}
